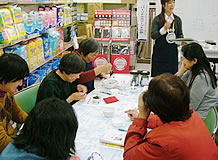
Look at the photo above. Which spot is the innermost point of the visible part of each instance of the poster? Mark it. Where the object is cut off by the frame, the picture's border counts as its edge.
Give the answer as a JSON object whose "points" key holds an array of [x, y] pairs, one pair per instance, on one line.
{"points": [[143, 19]]}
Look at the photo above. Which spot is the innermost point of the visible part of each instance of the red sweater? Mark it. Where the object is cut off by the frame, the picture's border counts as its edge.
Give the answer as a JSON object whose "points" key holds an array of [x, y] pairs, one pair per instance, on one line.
{"points": [[177, 140]]}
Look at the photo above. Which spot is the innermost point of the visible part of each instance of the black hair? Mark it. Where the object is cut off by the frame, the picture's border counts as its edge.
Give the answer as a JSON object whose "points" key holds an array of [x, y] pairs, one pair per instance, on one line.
{"points": [[162, 16], [87, 46], [71, 64], [168, 97], [12, 68], [194, 50], [49, 130]]}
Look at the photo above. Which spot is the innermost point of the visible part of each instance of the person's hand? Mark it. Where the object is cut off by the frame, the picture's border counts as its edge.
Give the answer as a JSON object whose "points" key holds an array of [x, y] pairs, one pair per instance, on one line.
{"points": [[105, 68], [167, 26], [144, 112], [132, 113], [184, 43], [182, 70], [82, 88], [76, 96]]}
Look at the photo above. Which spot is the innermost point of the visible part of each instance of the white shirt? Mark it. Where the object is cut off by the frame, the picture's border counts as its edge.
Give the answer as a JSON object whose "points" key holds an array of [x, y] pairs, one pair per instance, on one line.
{"points": [[169, 19]]}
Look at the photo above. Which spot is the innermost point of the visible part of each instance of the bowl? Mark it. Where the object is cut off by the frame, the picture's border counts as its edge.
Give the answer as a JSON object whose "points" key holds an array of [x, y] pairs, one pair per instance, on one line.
{"points": [[110, 83], [134, 89], [117, 122], [108, 111], [96, 99]]}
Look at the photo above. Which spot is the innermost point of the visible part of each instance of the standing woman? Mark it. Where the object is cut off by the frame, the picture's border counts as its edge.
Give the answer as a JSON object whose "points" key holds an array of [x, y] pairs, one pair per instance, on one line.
{"points": [[165, 27], [196, 72]]}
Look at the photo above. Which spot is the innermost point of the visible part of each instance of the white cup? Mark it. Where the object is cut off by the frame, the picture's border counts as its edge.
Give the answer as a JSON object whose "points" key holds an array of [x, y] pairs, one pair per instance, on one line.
{"points": [[108, 111]]}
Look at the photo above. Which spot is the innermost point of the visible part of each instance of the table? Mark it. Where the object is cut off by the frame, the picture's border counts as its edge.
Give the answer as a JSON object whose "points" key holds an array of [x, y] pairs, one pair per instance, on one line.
{"points": [[93, 124]]}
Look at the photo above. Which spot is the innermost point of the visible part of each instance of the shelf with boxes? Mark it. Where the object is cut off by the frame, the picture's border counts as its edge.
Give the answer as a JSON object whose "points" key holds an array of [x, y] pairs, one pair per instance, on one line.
{"points": [[37, 36], [112, 30], [37, 2]]}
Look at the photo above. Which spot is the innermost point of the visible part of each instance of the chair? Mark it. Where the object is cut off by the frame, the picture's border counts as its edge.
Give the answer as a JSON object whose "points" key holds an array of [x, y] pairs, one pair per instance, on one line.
{"points": [[211, 121], [26, 98]]}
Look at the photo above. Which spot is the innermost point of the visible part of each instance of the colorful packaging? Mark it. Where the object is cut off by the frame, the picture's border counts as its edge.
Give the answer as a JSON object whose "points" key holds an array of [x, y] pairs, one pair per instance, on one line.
{"points": [[54, 40], [20, 50], [60, 16], [29, 22], [16, 14], [20, 28], [5, 17], [39, 50], [47, 52], [40, 22], [8, 34], [45, 18]]}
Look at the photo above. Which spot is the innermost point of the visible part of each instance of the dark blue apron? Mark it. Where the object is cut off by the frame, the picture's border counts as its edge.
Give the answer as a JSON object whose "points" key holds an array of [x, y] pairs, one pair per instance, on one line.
{"points": [[164, 57]]}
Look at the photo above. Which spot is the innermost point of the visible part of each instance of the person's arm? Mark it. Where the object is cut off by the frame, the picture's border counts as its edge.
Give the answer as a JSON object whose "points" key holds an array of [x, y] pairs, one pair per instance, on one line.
{"points": [[136, 145], [86, 76], [198, 90], [5, 139], [18, 115], [91, 74], [179, 24], [155, 31]]}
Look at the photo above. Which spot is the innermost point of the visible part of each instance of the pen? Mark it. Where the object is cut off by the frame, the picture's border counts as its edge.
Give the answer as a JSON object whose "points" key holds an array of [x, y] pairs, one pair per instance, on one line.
{"points": [[123, 130], [105, 92], [113, 145]]}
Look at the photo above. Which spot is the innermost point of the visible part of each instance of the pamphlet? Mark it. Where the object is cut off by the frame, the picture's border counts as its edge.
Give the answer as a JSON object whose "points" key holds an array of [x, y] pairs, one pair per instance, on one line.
{"points": [[114, 136]]}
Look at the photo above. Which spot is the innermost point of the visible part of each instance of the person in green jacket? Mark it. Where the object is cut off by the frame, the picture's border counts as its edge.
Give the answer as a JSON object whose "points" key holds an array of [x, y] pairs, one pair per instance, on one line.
{"points": [[61, 83]]}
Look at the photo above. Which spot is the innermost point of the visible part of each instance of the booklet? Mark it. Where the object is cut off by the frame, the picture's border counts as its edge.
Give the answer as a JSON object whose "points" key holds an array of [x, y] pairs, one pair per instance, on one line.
{"points": [[114, 136]]}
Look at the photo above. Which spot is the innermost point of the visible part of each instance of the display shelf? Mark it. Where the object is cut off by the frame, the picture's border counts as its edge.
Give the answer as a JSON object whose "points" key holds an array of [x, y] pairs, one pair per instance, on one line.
{"points": [[67, 46], [38, 3], [107, 1], [32, 36]]}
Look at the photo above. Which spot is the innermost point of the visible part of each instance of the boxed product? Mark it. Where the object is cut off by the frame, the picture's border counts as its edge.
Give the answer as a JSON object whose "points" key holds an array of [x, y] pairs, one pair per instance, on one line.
{"points": [[120, 63], [120, 48]]}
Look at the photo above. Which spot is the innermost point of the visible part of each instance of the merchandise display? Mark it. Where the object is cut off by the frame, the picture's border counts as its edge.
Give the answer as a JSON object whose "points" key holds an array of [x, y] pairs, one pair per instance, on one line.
{"points": [[112, 30], [36, 33]]}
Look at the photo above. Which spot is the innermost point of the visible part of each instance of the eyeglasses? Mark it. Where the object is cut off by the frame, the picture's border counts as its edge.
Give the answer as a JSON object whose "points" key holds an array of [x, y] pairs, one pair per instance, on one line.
{"points": [[95, 156]]}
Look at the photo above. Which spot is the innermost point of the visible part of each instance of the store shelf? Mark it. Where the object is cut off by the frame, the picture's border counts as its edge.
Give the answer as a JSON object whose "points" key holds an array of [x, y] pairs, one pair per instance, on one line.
{"points": [[32, 36], [67, 46], [37, 3], [107, 1]]}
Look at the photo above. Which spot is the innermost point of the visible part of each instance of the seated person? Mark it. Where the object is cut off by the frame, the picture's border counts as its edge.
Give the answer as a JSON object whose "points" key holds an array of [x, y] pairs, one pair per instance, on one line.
{"points": [[182, 136], [49, 133], [60, 83], [88, 50], [12, 71], [197, 74]]}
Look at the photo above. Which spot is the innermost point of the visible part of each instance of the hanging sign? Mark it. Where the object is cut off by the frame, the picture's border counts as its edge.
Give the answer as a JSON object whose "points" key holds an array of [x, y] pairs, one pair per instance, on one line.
{"points": [[143, 19]]}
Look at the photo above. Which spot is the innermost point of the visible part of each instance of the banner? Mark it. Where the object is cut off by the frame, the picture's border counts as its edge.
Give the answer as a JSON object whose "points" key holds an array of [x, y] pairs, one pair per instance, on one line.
{"points": [[143, 19]]}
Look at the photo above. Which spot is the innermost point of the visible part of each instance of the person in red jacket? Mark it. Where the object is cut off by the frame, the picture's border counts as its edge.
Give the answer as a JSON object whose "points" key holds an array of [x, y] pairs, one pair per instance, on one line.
{"points": [[182, 134]]}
